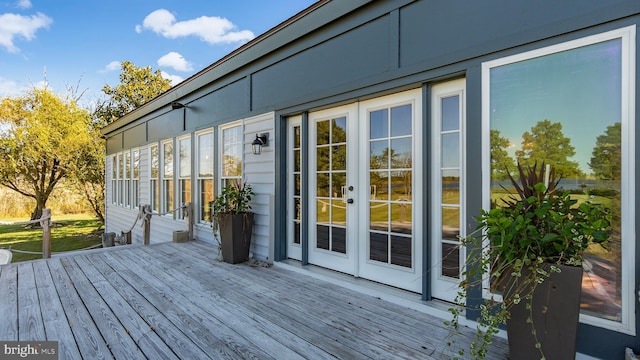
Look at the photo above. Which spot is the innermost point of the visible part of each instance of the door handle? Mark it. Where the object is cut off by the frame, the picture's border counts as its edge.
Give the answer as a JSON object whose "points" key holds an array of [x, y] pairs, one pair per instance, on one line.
{"points": [[349, 201]]}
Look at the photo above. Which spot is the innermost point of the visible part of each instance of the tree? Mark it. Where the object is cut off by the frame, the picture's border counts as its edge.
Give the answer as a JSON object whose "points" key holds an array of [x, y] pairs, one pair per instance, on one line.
{"points": [[501, 163], [40, 138], [88, 176], [607, 154], [546, 143], [137, 87]]}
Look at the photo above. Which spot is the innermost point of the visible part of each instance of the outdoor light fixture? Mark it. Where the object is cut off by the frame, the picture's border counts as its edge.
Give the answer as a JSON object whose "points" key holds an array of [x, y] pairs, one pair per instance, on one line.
{"points": [[176, 105], [260, 141]]}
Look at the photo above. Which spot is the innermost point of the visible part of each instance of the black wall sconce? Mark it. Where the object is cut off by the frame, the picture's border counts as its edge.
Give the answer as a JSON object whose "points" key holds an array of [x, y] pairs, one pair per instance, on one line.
{"points": [[176, 105], [260, 141]]}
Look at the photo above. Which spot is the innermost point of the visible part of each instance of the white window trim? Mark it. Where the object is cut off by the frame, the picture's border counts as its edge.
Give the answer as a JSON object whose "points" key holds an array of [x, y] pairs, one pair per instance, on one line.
{"points": [[177, 167], [161, 179], [114, 178], [293, 250], [135, 195], [150, 177], [126, 185], [627, 36], [196, 171], [220, 145], [442, 91]]}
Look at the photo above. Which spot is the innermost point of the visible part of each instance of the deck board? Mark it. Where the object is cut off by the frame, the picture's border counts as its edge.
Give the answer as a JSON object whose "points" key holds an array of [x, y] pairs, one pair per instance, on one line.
{"points": [[176, 301], [139, 331], [55, 320], [221, 341], [330, 322], [9, 303], [231, 319], [155, 318], [31, 326], [333, 300]]}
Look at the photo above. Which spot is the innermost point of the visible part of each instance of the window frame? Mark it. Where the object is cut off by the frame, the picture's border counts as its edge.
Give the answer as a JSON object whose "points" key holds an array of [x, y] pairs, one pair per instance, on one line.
{"points": [[221, 146], [135, 177], [199, 179], [179, 178], [126, 188], [294, 214], [120, 173], [167, 183], [154, 182], [628, 118], [114, 179]]}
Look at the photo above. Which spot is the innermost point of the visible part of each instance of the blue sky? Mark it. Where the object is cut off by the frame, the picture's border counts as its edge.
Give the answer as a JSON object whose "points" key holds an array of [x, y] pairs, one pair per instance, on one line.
{"points": [[84, 40]]}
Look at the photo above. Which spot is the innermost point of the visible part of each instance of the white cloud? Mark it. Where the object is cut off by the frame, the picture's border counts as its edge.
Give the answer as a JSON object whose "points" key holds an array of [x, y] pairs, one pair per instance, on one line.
{"points": [[42, 84], [13, 25], [9, 88], [24, 4], [211, 29], [175, 79], [112, 66], [176, 61]]}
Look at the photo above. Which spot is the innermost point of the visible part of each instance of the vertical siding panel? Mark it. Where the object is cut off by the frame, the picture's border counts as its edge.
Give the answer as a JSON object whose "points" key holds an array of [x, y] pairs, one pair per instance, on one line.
{"points": [[259, 171]]}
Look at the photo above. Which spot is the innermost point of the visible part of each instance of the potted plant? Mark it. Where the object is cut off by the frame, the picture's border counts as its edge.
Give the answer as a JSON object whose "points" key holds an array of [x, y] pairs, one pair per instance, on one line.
{"points": [[232, 220], [529, 250]]}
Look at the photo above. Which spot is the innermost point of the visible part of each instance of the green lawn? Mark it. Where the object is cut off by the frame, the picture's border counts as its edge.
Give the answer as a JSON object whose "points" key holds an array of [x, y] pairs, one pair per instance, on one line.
{"points": [[69, 232]]}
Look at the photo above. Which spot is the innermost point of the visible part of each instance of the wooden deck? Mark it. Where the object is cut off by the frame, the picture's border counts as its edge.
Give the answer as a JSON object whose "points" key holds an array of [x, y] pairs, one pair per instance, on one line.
{"points": [[175, 301]]}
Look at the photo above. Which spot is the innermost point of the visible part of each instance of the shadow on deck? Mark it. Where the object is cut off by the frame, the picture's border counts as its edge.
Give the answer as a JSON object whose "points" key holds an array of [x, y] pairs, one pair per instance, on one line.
{"points": [[175, 301]]}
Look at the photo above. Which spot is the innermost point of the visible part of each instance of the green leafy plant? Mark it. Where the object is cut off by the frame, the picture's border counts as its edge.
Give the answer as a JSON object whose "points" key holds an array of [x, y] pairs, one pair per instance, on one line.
{"points": [[233, 199], [519, 243]]}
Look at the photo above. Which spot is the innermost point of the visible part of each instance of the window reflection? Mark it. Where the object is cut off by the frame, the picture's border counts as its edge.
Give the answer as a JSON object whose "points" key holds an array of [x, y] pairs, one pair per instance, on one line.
{"points": [[339, 130], [538, 111], [379, 154], [450, 113], [401, 120], [379, 124]]}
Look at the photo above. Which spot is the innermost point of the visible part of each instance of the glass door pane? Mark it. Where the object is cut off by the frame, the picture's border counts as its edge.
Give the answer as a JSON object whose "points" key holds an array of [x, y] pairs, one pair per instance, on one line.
{"points": [[330, 179], [390, 177], [450, 185]]}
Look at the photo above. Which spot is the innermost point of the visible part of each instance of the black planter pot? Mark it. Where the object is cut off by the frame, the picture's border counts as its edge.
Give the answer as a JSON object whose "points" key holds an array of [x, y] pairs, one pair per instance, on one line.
{"points": [[235, 236], [555, 312]]}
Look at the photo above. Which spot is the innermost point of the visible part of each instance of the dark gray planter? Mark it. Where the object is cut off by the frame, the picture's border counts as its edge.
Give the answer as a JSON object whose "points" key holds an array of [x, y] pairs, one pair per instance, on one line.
{"points": [[235, 236], [555, 312]]}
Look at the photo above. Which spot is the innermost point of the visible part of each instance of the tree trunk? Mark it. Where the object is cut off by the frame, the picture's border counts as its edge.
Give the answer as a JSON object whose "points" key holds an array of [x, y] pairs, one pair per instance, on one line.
{"points": [[37, 212]]}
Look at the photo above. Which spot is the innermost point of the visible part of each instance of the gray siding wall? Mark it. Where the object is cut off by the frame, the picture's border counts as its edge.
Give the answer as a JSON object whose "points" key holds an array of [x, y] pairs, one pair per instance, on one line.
{"points": [[259, 171]]}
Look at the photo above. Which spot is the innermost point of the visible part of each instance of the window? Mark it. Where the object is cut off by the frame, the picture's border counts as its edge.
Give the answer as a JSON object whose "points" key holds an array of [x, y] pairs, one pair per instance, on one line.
{"points": [[154, 187], [184, 175], [135, 179], [294, 187], [126, 189], [114, 179], [167, 177], [205, 174], [535, 109], [231, 155], [296, 195], [120, 178]]}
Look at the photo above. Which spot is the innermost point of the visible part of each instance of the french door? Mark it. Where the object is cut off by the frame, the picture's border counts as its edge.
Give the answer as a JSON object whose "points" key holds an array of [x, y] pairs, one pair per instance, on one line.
{"points": [[364, 189]]}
